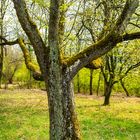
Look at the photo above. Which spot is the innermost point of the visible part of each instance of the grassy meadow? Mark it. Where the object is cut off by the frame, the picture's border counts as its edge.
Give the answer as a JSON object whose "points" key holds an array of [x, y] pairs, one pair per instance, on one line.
{"points": [[24, 116]]}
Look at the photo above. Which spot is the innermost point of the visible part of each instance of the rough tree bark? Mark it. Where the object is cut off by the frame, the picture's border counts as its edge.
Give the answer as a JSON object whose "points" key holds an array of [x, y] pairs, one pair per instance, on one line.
{"points": [[60, 95]]}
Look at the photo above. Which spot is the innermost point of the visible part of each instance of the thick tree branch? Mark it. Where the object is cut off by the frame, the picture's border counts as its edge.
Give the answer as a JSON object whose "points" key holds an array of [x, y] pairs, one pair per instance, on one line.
{"points": [[32, 32], [34, 68], [130, 36], [107, 42], [27, 56]]}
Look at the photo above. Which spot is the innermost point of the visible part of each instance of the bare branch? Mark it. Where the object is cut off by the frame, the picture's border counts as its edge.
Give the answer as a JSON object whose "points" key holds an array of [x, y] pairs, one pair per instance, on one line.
{"points": [[132, 67], [6, 42], [136, 25], [128, 70], [90, 31]]}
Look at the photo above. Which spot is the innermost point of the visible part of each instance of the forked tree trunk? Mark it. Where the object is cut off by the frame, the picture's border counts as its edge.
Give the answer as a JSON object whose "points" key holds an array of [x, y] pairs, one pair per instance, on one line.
{"points": [[91, 79], [63, 119]]}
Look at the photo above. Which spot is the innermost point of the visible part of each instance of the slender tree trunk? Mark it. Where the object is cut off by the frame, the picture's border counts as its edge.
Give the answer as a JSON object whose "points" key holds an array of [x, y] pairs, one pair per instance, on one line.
{"points": [[98, 86], [105, 88], [30, 72], [91, 78], [123, 86], [78, 83], [1, 48], [10, 81], [108, 90], [1, 64], [6, 85]]}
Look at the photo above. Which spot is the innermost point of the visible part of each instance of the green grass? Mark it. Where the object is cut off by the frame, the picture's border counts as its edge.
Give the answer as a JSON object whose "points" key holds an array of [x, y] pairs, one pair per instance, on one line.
{"points": [[119, 121], [24, 116]]}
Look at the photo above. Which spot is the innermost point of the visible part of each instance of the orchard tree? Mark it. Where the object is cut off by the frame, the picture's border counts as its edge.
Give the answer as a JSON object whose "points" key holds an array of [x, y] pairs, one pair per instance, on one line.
{"points": [[12, 63], [57, 69], [117, 64]]}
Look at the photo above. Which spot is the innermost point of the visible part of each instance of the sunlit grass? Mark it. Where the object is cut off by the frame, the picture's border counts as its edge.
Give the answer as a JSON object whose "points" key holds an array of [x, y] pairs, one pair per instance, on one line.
{"points": [[119, 121], [24, 115]]}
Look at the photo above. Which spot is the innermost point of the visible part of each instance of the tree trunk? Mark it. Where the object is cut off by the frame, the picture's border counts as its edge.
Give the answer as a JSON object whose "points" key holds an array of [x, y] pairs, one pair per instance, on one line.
{"points": [[71, 125], [98, 86], [1, 48], [105, 88], [91, 77], [63, 119], [123, 86], [10, 80], [78, 83], [108, 89], [1, 64]]}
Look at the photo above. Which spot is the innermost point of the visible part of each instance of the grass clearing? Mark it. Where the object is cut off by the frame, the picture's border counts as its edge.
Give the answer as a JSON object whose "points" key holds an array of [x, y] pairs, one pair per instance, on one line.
{"points": [[24, 115]]}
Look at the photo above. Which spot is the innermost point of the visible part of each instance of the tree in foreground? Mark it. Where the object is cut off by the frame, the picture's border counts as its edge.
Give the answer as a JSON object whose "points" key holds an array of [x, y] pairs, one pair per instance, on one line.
{"points": [[57, 69]]}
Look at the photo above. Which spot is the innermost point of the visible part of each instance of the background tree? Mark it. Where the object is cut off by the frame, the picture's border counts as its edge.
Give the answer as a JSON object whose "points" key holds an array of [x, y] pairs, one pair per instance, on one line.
{"points": [[12, 63], [118, 63]]}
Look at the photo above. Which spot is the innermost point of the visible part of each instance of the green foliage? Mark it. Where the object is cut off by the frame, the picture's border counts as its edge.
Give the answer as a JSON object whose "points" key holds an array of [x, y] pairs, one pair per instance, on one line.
{"points": [[22, 74], [132, 84], [84, 80]]}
